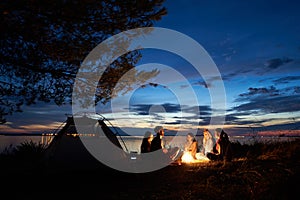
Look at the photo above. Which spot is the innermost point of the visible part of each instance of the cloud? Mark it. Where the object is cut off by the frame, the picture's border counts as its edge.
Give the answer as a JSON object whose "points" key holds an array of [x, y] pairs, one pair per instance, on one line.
{"points": [[39, 113], [203, 83], [152, 85], [146, 109], [277, 62], [209, 83], [174, 123], [259, 66], [236, 73], [296, 89], [271, 91], [286, 79], [198, 110], [277, 104], [182, 114], [260, 102]]}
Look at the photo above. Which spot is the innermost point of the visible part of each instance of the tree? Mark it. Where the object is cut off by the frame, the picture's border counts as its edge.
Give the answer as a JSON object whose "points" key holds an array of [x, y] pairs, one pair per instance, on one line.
{"points": [[44, 42]]}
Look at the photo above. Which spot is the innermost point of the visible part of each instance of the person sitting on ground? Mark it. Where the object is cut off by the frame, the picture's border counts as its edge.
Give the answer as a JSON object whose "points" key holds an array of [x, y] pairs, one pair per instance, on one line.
{"points": [[222, 149], [191, 145], [146, 143], [207, 145], [226, 147], [159, 143]]}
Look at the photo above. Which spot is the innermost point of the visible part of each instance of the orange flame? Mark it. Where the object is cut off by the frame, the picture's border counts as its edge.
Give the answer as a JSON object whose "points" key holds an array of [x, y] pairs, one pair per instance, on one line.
{"points": [[187, 158]]}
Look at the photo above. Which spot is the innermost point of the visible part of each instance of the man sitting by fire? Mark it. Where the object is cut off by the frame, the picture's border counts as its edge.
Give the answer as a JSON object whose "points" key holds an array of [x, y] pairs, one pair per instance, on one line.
{"points": [[159, 144]]}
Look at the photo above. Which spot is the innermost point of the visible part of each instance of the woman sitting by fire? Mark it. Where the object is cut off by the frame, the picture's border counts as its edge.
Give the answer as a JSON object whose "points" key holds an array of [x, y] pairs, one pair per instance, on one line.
{"points": [[191, 145], [192, 153], [208, 143]]}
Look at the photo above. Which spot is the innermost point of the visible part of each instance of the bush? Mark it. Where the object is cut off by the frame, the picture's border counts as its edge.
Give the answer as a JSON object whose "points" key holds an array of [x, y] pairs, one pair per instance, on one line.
{"points": [[27, 153]]}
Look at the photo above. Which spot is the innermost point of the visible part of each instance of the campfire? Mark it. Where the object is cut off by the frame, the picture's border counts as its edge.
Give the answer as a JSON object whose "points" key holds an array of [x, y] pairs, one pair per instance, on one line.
{"points": [[188, 158]]}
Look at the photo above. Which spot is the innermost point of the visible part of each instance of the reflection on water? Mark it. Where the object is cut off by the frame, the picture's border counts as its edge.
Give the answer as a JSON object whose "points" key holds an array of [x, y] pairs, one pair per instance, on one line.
{"points": [[133, 143]]}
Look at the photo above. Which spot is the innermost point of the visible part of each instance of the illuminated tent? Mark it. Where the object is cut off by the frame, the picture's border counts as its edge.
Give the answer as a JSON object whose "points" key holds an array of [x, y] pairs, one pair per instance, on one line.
{"points": [[67, 150]]}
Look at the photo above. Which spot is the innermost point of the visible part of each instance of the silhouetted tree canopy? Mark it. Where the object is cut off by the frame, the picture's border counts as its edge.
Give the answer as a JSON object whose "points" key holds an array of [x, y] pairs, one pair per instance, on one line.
{"points": [[43, 43]]}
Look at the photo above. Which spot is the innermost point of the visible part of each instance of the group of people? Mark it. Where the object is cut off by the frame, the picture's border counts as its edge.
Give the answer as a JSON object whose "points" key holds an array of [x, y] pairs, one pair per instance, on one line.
{"points": [[151, 143], [212, 148]]}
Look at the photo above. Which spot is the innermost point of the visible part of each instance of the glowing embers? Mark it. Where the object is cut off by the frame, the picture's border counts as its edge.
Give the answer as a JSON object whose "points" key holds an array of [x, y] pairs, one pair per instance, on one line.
{"points": [[188, 158]]}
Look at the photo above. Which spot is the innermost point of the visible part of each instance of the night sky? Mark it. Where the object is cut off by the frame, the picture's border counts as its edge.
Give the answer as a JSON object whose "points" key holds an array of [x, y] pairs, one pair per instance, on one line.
{"points": [[256, 48]]}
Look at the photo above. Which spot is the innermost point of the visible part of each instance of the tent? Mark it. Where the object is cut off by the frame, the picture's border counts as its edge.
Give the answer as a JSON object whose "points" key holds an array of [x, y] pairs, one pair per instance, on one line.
{"points": [[83, 142], [67, 150]]}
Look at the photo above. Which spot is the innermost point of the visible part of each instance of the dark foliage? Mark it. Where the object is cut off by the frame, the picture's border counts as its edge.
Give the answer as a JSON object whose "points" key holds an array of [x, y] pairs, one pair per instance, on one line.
{"points": [[27, 154], [44, 42]]}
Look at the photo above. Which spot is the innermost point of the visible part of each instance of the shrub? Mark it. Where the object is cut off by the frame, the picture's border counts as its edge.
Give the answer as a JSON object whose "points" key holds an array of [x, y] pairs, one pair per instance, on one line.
{"points": [[27, 154], [29, 151]]}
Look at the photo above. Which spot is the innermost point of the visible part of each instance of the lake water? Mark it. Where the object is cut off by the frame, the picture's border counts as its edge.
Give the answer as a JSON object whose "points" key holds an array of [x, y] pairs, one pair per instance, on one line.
{"points": [[132, 143]]}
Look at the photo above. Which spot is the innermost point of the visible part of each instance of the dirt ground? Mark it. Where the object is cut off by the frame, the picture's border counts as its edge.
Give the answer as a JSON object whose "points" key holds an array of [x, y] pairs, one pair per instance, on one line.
{"points": [[259, 172], [214, 180]]}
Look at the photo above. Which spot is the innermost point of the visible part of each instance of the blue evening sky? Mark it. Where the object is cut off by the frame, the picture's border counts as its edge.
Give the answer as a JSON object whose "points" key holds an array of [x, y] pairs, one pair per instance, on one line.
{"points": [[255, 46]]}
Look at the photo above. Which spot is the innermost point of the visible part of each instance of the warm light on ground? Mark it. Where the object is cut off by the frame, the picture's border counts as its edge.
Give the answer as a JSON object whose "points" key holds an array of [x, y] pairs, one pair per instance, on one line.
{"points": [[188, 158]]}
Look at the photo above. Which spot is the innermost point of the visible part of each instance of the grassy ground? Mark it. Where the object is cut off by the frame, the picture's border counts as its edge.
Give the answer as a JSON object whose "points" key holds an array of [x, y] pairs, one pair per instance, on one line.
{"points": [[258, 171]]}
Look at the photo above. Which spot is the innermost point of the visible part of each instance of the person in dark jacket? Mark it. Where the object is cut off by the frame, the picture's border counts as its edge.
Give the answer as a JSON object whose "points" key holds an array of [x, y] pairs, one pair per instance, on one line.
{"points": [[158, 141], [222, 149], [159, 144], [146, 143]]}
